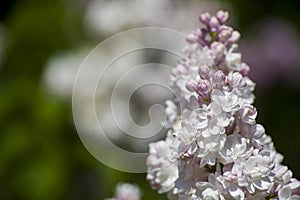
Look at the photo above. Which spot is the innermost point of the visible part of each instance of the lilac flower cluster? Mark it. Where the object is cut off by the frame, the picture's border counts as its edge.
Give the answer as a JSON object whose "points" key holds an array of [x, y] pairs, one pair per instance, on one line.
{"points": [[214, 148], [215, 30]]}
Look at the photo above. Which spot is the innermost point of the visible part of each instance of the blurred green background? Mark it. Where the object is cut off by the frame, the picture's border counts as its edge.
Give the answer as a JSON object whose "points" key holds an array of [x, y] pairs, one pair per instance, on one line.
{"points": [[41, 155]]}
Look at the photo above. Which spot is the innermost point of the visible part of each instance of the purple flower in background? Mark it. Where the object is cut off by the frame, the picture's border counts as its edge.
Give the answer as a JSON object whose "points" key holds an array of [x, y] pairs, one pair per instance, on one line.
{"points": [[272, 49]]}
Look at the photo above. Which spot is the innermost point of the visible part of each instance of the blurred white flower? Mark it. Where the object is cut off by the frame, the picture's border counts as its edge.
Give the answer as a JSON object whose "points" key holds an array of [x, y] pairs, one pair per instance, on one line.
{"points": [[104, 17], [127, 191], [61, 71], [59, 78]]}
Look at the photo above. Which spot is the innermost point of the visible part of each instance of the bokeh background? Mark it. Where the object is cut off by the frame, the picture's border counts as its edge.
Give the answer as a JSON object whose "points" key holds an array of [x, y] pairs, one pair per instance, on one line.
{"points": [[43, 42]]}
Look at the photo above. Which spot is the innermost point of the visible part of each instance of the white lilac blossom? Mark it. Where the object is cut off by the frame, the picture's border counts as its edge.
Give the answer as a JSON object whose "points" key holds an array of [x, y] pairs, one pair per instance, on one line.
{"points": [[59, 78], [101, 14], [214, 148], [126, 191]]}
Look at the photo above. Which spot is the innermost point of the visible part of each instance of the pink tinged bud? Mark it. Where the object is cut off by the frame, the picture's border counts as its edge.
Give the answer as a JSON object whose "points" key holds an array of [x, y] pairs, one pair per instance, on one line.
{"points": [[244, 69], [204, 86], [192, 38], [205, 18], [219, 77], [225, 33], [222, 16], [214, 24], [235, 36], [204, 71], [192, 85]]}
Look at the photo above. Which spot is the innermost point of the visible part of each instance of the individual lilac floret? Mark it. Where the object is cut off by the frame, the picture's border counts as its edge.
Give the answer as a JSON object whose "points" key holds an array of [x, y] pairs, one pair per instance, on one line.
{"points": [[214, 148], [192, 86], [205, 18], [222, 16]]}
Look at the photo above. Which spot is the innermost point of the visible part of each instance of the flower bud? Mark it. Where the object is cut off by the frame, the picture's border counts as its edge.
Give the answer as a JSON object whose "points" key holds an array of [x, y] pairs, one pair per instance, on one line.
{"points": [[192, 85], [204, 71], [222, 16], [204, 86], [244, 69], [235, 36], [205, 18], [214, 24], [225, 33], [191, 38]]}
